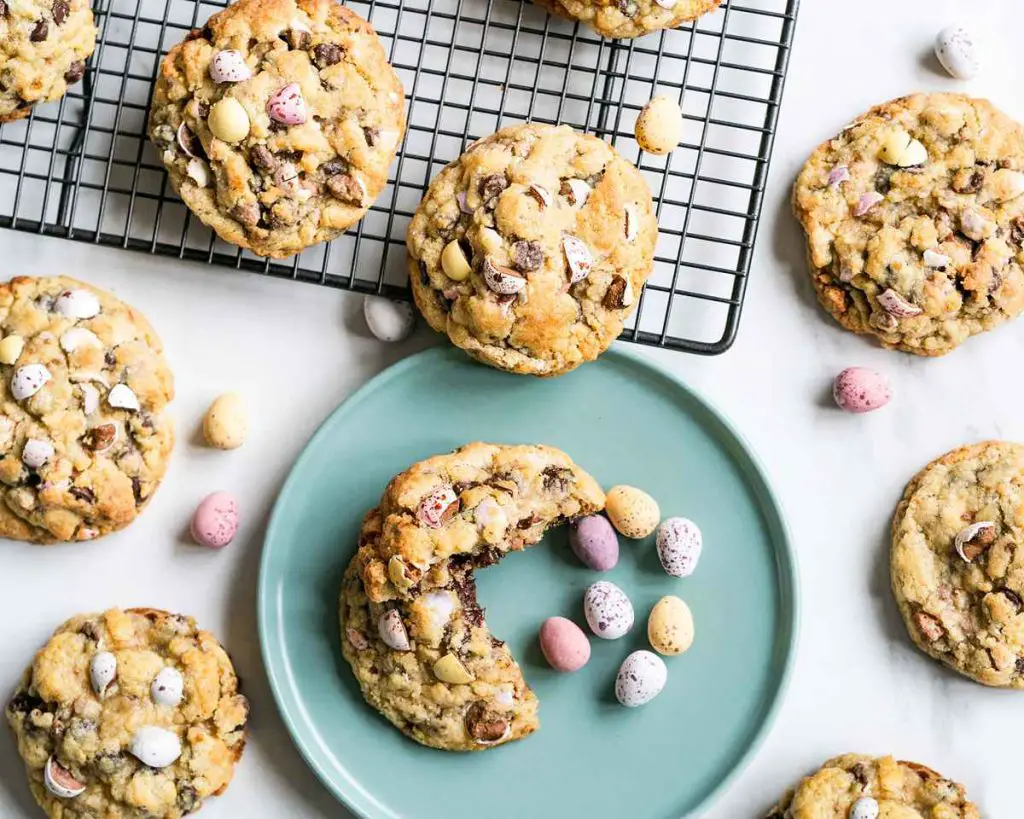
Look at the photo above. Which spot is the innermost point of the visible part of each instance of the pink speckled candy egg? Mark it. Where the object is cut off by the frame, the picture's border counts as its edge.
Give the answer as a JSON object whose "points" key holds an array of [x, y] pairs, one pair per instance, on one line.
{"points": [[565, 646], [287, 106], [859, 389], [215, 521]]}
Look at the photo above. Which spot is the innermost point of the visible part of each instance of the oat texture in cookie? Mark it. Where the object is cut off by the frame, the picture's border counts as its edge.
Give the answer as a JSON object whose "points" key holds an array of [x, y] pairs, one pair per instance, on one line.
{"points": [[43, 48], [128, 714], [958, 562], [630, 18], [530, 250], [84, 436], [277, 122], [411, 626], [854, 786], [914, 218]]}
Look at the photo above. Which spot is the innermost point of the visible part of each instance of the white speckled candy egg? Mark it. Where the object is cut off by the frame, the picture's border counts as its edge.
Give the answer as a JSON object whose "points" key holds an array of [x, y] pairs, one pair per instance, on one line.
{"points": [[121, 396], [670, 626], [957, 51], [865, 808], [679, 544], [102, 671], [229, 66], [608, 610], [226, 423], [167, 688], [59, 781], [36, 452], [389, 320], [859, 389], [28, 380], [392, 630], [154, 746], [640, 679], [632, 511], [76, 304]]}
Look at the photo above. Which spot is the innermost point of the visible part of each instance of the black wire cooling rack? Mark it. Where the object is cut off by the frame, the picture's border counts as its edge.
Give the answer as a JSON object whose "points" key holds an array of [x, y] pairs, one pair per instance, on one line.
{"points": [[81, 168]]}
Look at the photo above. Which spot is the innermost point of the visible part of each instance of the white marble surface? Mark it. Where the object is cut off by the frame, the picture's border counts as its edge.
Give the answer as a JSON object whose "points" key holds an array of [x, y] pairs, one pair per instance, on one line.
{"points": [[858, 685]]}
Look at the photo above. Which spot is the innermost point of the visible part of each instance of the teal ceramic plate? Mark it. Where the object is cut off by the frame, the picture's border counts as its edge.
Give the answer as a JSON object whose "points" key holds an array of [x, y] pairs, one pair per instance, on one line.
{"points": [[625, 421]]}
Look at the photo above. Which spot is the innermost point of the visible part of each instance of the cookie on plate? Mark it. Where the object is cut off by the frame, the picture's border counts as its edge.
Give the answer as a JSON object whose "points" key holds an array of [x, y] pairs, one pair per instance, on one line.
{"points": [[530, 249], [885, 787], [277, 122], [914, 218], [128, 714], [84, 437], [411, 626], [958, 562], [630, 18], [43, 48]]}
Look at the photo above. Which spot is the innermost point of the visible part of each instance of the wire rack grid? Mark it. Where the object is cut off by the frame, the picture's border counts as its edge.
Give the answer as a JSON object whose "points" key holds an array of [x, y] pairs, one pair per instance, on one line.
{"points": [[81, 168]]}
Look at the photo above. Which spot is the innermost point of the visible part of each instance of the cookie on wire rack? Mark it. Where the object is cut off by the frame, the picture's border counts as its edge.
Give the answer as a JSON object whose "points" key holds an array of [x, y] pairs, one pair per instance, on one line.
{"points": [[43, 48], [621, 19], [530, 250], [277, 122]]}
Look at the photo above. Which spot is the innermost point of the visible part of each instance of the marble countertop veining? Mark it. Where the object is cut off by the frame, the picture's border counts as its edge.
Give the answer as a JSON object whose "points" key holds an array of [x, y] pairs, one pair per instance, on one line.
{"points": [[858, 685]]}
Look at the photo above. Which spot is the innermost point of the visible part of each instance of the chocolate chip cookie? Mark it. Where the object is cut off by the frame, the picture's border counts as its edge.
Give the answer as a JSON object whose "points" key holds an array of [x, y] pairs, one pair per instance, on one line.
{"points": [[43, 48], [530, 250], [128, 714], [277, 122], [958, 564], [84, 438], [854, 786], [914, 218], [411, 626], [630, 18]]}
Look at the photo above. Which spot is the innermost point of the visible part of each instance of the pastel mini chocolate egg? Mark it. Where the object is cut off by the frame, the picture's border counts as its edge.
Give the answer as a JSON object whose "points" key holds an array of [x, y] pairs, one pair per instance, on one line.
{"points": [[859, 389], [632, 511], [607, 610], [641, 678], [593, 540], [679, 544], [215, 521], [670, 626], [564, 645], [389, 320]]}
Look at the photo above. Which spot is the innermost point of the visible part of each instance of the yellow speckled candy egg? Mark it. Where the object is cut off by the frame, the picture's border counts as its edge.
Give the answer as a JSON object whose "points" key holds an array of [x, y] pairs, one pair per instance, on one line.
{"points": [[670, 626], [632, 511]]}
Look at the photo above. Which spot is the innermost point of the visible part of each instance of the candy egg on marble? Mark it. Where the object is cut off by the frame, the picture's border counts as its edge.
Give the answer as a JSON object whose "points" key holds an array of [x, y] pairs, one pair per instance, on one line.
{"points": [[564, 645], [28, 380], [859, 389], [389, 320], [287, 106], [229, 66], [215, 521], [102, 671], [154, 746], [670, 626], [641, 678], [593, 540], [60, 782], [608, 610], [226, 425], [679, 542], [865, 808], [168, 687], [632, 511], [958, 52]]}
